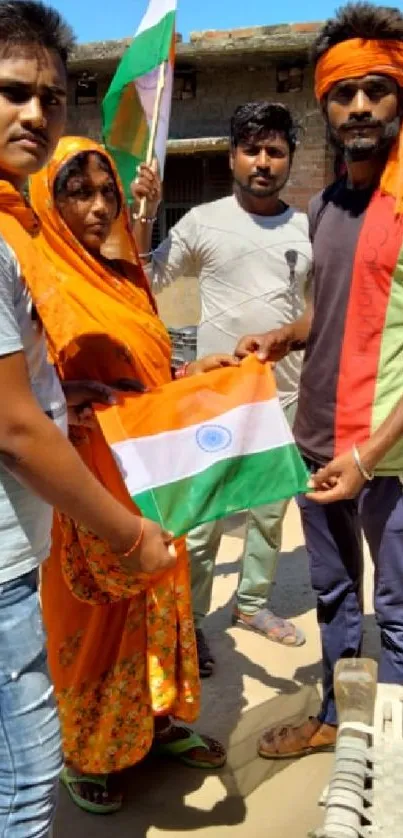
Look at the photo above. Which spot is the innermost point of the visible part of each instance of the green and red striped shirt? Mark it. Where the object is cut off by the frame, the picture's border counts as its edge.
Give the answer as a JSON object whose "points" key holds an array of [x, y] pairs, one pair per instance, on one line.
{"points": [[352, 375]]}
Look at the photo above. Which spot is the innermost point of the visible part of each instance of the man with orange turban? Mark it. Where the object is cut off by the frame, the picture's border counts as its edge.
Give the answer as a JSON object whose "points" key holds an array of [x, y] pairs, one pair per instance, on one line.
{"points": [[348, 423]]}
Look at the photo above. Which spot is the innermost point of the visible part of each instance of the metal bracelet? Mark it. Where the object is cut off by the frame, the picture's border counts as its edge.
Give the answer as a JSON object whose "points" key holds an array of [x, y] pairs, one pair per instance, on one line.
{"points": [[367, 475], [145, 219]]}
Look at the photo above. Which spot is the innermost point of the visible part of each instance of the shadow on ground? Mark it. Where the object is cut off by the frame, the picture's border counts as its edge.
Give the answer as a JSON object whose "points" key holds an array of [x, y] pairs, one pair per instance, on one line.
{"points": [[155, 802], [162, 796]]}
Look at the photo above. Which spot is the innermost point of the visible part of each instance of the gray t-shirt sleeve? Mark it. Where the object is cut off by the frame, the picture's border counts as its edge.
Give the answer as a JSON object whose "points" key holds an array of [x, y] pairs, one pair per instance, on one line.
{"points": [[315, 208], [10, 334], [178, 255]]}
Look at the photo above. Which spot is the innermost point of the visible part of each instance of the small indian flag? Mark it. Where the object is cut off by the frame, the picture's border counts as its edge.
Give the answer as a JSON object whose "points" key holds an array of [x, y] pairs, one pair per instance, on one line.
{"points": [[205, 447], [129, 105]]}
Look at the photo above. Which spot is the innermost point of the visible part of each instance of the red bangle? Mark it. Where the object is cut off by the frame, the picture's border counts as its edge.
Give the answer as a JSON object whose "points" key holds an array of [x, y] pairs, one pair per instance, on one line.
{"points": [[136, 543], [181, 372]]}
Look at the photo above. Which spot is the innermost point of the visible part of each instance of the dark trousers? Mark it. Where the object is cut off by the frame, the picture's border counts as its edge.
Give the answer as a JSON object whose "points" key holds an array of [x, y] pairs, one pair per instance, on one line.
{"points": [[333, 536]]}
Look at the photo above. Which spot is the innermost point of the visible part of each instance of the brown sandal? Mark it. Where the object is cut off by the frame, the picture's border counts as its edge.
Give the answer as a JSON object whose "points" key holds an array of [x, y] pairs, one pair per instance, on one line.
{"points": [[290, 742], [274, 628]]}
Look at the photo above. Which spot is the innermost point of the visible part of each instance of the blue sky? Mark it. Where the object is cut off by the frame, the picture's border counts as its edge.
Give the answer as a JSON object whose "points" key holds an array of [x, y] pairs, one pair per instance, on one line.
{"points": [[119, 18]]}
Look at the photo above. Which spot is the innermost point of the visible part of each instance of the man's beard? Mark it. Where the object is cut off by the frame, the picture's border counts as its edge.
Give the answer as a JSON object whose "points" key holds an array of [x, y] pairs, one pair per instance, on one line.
{"points": [[362, 148], [274, 188]]}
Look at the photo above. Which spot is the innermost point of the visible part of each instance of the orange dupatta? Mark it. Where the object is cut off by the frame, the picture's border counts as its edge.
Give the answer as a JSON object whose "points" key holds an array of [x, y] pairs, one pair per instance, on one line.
{"points": [[120, 649], [100, 326]]}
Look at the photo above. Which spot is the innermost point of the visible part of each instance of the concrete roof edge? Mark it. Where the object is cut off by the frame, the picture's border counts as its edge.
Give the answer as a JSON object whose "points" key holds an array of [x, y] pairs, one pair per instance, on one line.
{"points": [[193, 145], [269, 40]]}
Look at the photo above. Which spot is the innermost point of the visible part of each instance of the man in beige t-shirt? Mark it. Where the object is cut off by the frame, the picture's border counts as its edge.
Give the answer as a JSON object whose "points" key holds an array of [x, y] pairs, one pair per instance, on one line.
{"points": [[252, 255]]}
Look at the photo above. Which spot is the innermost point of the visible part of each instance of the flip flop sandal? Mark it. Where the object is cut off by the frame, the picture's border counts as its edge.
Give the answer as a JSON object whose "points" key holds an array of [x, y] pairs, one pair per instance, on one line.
{"points": [[180, 747], [69, 780], [264, 621]]}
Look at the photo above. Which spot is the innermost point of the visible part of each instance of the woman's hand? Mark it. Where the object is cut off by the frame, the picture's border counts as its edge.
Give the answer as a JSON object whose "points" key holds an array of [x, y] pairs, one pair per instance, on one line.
{"points": [[129, 385], [155, 553], [79, 393], [211, 362], [82, 417], [80, 396], [147, 185]]}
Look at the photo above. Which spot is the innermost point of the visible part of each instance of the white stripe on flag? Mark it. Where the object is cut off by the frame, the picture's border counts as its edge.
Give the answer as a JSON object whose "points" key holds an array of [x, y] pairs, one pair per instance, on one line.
{"points": [[146, 88], [161, 139], [157, 460], [157, 9]]}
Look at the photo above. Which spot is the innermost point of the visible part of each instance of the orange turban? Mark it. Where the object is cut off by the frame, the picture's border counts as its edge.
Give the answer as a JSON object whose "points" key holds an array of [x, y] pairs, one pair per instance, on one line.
{"points": [[355, 58]]}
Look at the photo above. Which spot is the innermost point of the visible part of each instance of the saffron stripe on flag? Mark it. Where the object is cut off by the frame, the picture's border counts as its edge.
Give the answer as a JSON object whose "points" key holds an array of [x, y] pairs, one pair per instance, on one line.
{"points": [[130, 131], [191, 401]]}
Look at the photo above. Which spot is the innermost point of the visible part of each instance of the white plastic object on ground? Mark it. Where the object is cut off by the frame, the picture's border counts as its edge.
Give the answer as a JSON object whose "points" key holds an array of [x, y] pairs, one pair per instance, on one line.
{"points": [[365, 795]]}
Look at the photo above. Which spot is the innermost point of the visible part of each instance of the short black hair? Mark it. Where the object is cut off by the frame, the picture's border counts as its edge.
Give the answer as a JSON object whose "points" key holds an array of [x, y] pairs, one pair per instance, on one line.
{"points": [[32, 24], [359, 20], [76, 167], [254, 120]]}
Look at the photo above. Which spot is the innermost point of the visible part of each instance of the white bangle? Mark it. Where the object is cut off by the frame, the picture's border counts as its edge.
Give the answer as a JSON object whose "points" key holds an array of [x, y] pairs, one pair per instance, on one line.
{"points": [[367, 475]]}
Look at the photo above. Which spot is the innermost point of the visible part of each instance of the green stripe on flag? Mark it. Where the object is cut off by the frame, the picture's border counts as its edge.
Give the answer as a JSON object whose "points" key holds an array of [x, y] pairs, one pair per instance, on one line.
{"points": [[389, 378], [122, 110], [127, 166], [128, 139], [147, 51], [225, 488]]}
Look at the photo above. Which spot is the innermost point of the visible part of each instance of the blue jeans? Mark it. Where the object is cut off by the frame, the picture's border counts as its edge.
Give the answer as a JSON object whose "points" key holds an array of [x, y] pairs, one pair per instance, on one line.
{"points": [[334, 543], [30, 747]]}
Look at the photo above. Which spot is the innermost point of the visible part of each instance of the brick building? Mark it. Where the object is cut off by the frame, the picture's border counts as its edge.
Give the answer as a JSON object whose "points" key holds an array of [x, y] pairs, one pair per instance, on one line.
{"points": [[214, 73]]}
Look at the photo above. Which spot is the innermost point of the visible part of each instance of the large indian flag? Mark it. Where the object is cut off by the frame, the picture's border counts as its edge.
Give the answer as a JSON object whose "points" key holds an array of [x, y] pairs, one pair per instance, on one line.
{"points": [[129, 104], [205, 447]]}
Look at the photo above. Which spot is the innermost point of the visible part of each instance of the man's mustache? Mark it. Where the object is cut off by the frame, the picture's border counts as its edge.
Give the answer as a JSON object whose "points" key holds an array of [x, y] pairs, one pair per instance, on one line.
{"points": [[264, 173], [356, 125], [33, 134]]}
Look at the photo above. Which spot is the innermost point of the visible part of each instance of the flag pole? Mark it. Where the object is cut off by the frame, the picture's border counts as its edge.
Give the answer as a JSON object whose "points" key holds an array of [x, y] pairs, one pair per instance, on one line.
{"points": [[154, 127]]}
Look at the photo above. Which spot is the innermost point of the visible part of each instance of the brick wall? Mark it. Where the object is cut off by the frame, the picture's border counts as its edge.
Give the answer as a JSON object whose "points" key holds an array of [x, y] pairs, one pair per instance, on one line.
{"points": [[219, 91]]}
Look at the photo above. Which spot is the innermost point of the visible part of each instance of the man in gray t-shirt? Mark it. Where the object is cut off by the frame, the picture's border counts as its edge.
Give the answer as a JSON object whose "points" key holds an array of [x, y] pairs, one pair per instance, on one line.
{"points": [[348, 420], [39, 468], [252, 256], [25, 519]]}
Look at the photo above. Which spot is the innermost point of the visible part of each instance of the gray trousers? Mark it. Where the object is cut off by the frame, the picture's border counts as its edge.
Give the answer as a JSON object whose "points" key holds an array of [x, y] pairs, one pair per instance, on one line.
{"points": [[259, 559]]}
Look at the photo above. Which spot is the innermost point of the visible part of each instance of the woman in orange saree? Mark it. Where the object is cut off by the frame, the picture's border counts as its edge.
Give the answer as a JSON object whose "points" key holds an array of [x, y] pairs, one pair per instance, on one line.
{"points": [[121, 648]]}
